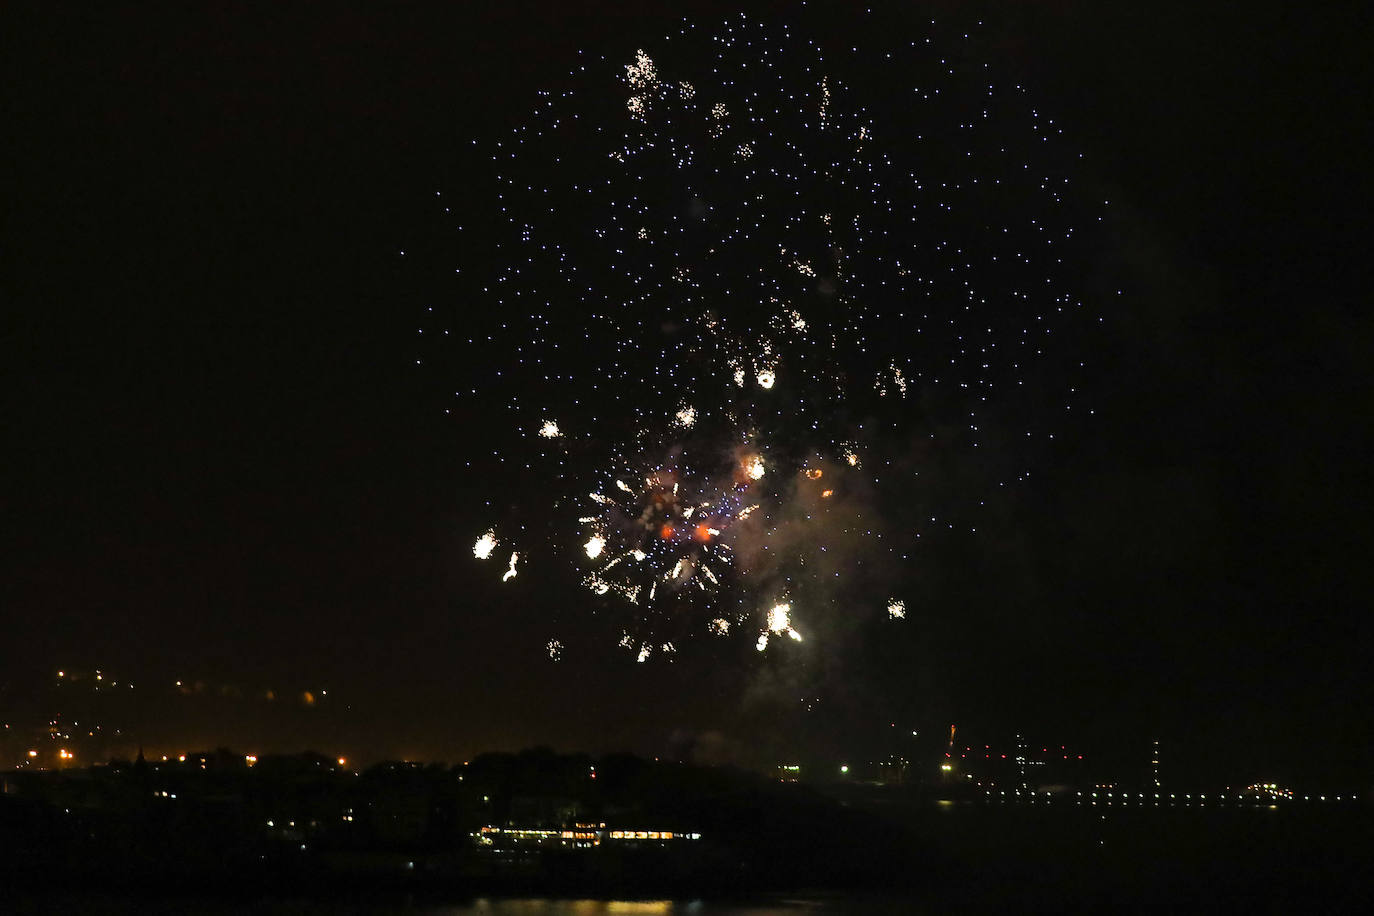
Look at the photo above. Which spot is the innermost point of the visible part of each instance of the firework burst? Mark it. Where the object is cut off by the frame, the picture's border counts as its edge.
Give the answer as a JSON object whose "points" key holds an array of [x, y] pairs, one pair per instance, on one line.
{"points": [[763, 316]]}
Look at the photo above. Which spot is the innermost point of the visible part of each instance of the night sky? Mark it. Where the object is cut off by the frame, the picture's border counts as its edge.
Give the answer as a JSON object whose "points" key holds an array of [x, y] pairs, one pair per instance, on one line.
{"points": [[224, 463]]}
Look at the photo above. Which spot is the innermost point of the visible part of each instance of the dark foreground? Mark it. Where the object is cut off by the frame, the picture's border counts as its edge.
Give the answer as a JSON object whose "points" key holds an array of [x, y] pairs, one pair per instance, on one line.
{"points": [[763, 848], [971, 859]]}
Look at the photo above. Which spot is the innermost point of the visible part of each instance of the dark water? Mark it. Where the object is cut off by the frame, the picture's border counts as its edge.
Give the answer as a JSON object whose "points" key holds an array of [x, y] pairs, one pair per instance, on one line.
{"points": [[964, 859], [59, 902]]}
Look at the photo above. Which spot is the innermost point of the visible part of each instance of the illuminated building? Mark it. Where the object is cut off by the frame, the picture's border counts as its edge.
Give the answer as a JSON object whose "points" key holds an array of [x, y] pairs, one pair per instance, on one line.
{"points": [[577, 836]]}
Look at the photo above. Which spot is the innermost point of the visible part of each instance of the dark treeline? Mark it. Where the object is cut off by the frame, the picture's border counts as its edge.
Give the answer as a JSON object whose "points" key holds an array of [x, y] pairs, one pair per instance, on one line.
{"points": [[306, 820]]}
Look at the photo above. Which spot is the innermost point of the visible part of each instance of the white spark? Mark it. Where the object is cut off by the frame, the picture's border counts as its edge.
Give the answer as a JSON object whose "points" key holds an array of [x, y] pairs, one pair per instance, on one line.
{"points": [[779, 617], [510, 573], [485, 545], [779, 622], [641, 74]]}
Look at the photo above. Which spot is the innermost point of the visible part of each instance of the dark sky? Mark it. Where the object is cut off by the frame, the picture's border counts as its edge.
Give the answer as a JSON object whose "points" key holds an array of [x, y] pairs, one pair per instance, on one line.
{"points": [[223, 463]]}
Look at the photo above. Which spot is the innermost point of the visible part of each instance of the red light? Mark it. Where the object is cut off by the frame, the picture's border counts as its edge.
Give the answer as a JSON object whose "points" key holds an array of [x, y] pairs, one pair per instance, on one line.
{"points": [[666, 532], [702, 533]]}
